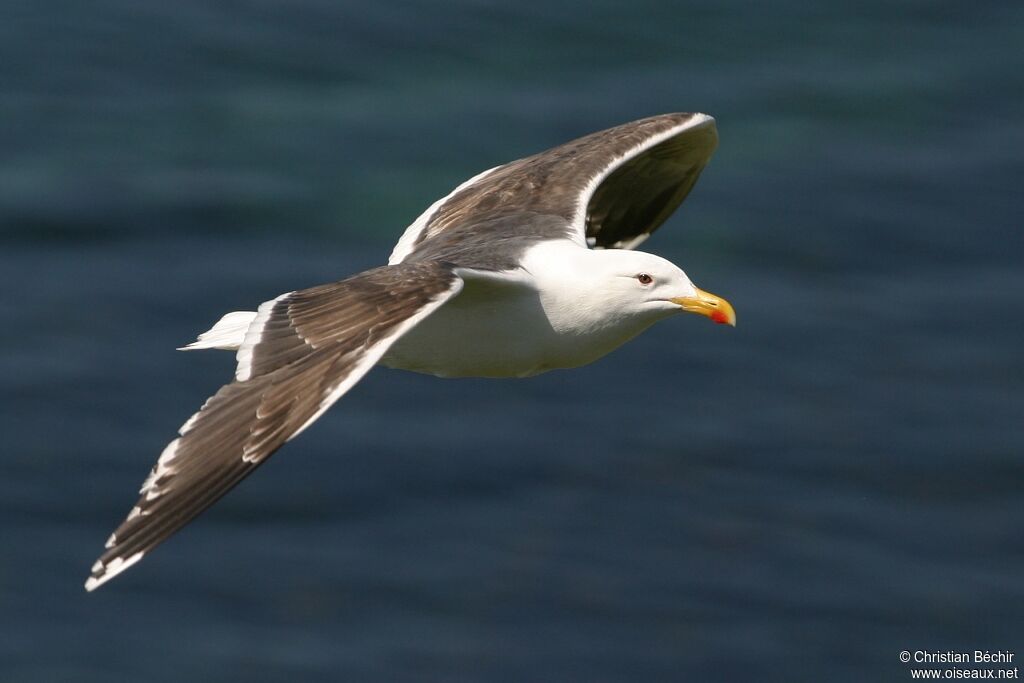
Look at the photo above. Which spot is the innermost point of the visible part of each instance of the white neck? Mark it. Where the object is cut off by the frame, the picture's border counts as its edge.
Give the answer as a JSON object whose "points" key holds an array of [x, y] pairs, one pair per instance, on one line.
{"points": [[572, 282]]}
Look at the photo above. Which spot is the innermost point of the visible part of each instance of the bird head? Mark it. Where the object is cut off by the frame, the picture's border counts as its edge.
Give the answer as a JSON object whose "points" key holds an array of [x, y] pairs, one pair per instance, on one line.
{"points": [[642, 283]]}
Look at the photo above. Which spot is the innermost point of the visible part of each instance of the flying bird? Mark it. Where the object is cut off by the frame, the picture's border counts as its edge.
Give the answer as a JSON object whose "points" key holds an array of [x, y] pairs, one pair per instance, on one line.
{"points": [[524, 268]]}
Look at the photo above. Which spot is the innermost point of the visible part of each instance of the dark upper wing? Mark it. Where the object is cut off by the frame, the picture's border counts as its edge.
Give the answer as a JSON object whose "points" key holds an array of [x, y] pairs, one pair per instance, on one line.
{"points": [[303, 351], [612, 188]]}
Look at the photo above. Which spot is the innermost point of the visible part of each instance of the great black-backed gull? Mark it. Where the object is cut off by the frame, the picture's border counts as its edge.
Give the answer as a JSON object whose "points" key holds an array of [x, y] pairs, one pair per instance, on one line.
{"points": [[523, 268]]}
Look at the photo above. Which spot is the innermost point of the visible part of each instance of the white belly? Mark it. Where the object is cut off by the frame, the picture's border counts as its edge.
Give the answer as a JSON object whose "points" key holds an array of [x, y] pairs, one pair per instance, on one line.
{"points": [[498, 330]]}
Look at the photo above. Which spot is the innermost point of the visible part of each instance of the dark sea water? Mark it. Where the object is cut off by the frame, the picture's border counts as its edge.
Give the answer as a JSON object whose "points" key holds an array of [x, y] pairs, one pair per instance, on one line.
{"points": [[838, 479]]}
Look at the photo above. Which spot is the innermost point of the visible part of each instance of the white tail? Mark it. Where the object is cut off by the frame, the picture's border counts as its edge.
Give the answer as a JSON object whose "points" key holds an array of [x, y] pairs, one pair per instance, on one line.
{"points": [[227, 334]]}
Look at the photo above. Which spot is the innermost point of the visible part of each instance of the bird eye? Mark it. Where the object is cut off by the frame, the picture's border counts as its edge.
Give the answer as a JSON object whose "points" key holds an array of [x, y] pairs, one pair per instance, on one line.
{"points": [[644, 279]]}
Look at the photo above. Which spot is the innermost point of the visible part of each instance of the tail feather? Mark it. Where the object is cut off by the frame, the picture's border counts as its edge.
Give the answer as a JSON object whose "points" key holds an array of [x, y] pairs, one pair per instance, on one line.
{"points": [[227, 334]]}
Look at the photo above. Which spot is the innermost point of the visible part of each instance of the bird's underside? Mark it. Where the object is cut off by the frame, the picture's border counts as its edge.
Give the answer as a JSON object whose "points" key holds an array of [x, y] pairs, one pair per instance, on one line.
{"points": [[299, 353]]}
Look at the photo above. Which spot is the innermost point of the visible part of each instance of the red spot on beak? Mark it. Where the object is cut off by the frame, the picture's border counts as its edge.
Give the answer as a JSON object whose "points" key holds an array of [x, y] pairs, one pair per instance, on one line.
{"points": [[719, 317]]}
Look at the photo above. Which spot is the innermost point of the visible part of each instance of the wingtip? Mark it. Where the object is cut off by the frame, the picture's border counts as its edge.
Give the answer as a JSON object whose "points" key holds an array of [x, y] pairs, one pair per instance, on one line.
{"points": [[105, 571], [96, 578]]}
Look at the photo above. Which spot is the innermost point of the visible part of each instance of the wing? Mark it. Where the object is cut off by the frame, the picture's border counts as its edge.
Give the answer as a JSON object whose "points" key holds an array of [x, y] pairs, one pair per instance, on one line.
{"points": [[610, 189], [303, 351]]}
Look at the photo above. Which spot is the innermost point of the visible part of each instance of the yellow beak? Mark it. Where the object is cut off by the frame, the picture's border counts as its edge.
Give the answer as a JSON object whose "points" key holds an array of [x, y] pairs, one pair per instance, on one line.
{"points": [[714, 307]]}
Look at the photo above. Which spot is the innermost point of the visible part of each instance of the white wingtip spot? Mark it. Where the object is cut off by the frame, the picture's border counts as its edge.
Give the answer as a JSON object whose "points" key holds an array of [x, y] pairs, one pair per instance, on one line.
{"points": [[110, 570], [111, 542]]}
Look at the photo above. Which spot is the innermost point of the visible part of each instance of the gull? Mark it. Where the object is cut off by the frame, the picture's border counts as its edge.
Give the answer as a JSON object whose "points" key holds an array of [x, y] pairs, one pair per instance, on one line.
{"points": [[524, 268]]}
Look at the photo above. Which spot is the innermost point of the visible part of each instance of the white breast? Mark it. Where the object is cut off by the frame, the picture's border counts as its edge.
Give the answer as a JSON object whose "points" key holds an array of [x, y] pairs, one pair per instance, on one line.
{"points": [[488, 330]]}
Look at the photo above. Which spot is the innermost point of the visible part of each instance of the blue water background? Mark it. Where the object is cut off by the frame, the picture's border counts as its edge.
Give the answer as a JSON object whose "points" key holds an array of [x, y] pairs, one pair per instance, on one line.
{"points": [[838, 479]]}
